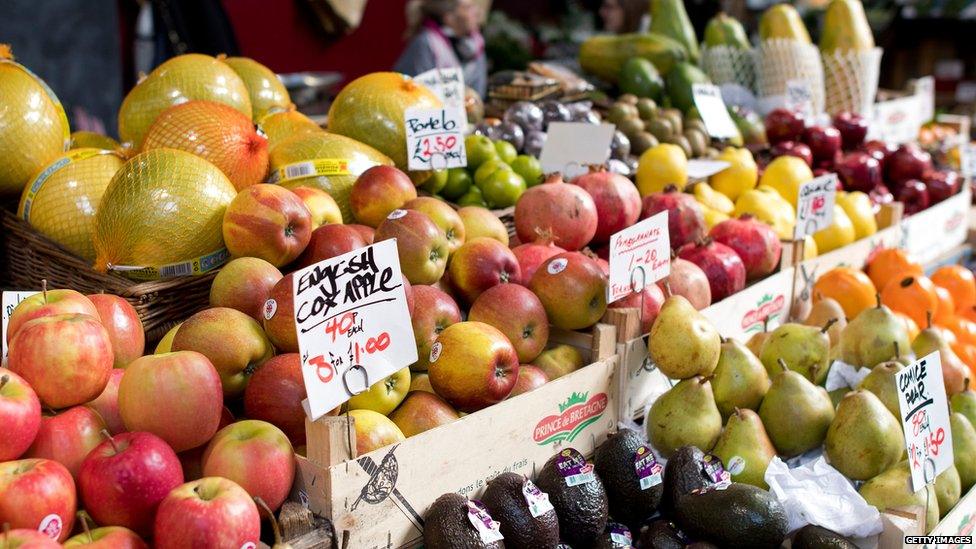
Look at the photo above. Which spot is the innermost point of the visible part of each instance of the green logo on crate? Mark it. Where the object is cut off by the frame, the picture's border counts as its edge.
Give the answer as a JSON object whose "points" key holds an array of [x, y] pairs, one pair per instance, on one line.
{"points": [[767, 307], [575, 414]]}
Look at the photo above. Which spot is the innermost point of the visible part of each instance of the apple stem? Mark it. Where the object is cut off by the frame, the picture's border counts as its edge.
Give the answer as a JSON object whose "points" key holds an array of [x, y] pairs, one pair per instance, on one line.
{"points": [[827, 326], [3, 380], [83, 519], [111, 440], [44, 289], [877, 298], [897, 351], [274, 522]]}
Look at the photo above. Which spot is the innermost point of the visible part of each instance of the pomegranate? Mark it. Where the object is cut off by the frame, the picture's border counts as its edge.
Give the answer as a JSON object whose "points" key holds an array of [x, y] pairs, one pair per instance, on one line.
{"points": [[753, 241], [653, 299], [563, 212], [724, 268], [533, 254], [906, 163], [686, 221], [689, 281], [618, 204]]}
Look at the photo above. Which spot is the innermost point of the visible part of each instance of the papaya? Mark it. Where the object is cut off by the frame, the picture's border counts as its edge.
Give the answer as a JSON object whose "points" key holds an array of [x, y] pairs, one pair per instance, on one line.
{"points": [[723, 30], [679, 83], [640, 77], [604, 55], [845, 27], [668, 17], [782, 21]]}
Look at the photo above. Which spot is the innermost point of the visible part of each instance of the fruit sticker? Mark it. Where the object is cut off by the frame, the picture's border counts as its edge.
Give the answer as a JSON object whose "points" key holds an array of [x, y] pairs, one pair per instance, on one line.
{"points": [[435, 352], [270, 308], [736, 465], [573, 467], [714, 471], [537, 499], [620, 535], [557, 265], [397, 214], [249, 545], [649, 471], [51, 526], [487, 527]]}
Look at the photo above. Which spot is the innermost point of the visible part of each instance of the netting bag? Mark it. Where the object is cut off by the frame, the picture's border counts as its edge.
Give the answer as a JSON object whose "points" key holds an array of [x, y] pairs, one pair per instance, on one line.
{"points": [[733, 70], [780, 61], [851, 80]]}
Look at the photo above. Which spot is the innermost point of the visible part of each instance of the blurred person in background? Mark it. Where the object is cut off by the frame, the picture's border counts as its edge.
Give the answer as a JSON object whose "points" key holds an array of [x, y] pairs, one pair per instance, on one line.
{"points": [[625, 16], [445, 34]]}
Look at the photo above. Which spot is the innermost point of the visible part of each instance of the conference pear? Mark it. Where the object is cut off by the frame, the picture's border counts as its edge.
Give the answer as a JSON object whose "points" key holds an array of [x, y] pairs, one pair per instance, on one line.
{"points": [[740, 380], [745, 448], [963, 449], [965, 403], [864, 439], [758, 339], [686, 415], [805, 349], [796, 413], [870, 338], [683, 343], [893, 488], [881, 382], [948, 489], [824, 310], [954, 372]]}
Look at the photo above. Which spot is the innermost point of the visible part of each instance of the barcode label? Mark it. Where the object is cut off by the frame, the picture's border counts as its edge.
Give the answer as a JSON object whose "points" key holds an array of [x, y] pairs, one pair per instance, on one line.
{"points": [[309, 168], [179, 269], [304, 169]]}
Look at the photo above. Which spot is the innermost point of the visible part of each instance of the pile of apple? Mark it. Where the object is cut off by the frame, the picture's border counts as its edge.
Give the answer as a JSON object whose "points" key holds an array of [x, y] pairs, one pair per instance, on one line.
{"points": [[884, 171]]}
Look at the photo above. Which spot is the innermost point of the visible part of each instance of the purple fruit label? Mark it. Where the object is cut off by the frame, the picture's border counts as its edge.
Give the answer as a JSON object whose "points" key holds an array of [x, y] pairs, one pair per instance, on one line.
{"points": [[715, 471], [620, 535], [649, 471], [537, 500], [573, 467], [486, 526]]}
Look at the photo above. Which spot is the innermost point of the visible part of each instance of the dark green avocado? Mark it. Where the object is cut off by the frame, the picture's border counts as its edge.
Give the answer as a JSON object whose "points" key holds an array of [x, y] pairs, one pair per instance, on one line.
{"points": [[682, 474], [505, 498], [812, 536], [616, 462], [582, 509], [446, 526], [661, 534], [739, 515]]}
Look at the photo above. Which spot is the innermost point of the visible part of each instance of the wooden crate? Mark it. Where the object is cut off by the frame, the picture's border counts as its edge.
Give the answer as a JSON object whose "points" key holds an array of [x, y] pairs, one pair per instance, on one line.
{"points": [[961, 521], [379, 499]]}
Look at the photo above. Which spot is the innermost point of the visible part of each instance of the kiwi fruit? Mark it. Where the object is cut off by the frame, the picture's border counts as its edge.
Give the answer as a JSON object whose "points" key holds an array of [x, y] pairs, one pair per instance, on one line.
{"points": [[661, 128], [697, 124], [697, 140], [646, 108], [628, 98], [682, 142], [677, 122], [618, 112], [641, 142], [631, 126]]}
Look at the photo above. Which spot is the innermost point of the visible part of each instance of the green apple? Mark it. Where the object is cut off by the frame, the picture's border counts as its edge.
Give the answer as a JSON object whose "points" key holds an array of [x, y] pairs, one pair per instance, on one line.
{"points": [[480, 149], [436, 182], [502, 188], [472, 198], [384, 395], [458, 183], [529, 168], [485, 170], [506, 151]]}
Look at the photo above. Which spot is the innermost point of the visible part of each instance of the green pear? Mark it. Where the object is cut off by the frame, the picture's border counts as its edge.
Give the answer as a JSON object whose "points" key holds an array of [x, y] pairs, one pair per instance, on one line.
{"points": [[954, 372], [948, 489], [881, 382], [963, 449], [683, 343], [756, 342], [838, 395], [796, 413], [740, 380], [893, 488], [806, 350], [686, 415], [825, 310], [559, 361], [965, 403], [864, 439], [745, 448], [870, 338]]}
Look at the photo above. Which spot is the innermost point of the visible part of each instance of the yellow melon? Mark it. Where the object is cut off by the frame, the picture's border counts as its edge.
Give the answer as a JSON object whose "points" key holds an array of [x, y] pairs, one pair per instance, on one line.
{"points": [[84, 140], [282, 124], [266, 91]]}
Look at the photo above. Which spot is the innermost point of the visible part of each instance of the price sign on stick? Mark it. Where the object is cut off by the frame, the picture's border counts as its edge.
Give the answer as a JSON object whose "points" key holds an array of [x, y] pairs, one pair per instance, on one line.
{"points": [[435, 138], [799, 97], [925, 419], [572, 146], [10, 300], [639, 255], [447, 84], [353, 324], [815, 205], [711, 107]]}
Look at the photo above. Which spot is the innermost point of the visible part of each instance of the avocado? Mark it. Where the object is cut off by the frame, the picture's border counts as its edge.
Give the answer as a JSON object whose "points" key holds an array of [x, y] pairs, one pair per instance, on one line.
{"points": [[616, 462], [739, 515], [446, 526], [617, 536], [723, 30], [812, 536], [506, 498], [639, 77], [683, 473], [582, 508], [679, 84], [661, 534]]}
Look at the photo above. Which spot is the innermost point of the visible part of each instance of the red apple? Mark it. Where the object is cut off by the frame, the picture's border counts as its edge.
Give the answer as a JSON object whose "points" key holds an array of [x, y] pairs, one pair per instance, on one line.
{"points": [[183, 383], [275, 394], [473, 365], [444, 216], [20, 415], [689, 281], [530, 377], [123, 325], [859, 171], [435, 311], [914, 195], [279, 316], [234, 342], [38, 494], [23, 538], [210, 512], [65, 358], [784, 125], [269, 222], [107, 537], [368, 233], [422, 247], [879, 150], [650, 304], [373, 430], [107, 403], [824, 142], [377, 192], [422, 411], [481, 264], [329, 241], [908, 162], [793, 148], [192, 459], [67, 437], [941, 184], [408, 295], [880, 195], [531, 255], [558, 212], [322, 207], [256, 455], [48, 303], [573, 289], [480, 221], [125, 477], [244, 284], [753, 241], [519, 314], [853, 129], [618, 203]]}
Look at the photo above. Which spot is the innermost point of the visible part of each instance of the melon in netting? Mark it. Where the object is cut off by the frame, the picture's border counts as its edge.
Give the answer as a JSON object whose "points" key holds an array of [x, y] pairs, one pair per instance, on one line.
{"points": [[217, 133], [263, 86], [33, 126], [92, 140], [326, 161], [178, 80], [61, 201], [164, 206], [282, 125]]}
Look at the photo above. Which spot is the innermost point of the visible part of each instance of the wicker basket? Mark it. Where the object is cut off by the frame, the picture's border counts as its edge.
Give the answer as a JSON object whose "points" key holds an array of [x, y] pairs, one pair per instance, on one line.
{"points": [[29, 258]]}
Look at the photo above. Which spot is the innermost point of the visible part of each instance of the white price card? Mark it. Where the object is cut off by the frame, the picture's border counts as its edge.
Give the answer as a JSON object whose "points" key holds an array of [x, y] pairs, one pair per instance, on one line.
{"points": [[699, 168], [352, 323], [435, 138], [815, 205], [898, 120], [925, 419], [447, 84], [711, 107], [571, 147], [639, 255], [9, 300], [799, 97], [924, 89]]}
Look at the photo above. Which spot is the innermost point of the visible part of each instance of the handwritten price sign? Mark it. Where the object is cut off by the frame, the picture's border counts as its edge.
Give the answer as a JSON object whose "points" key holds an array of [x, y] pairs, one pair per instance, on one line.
{"points": [[435, 138], [639, 255], [447, 84], [9, 303], [799, 97], [711, 107], [353, 324], [815, 205], [925, 419]]}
